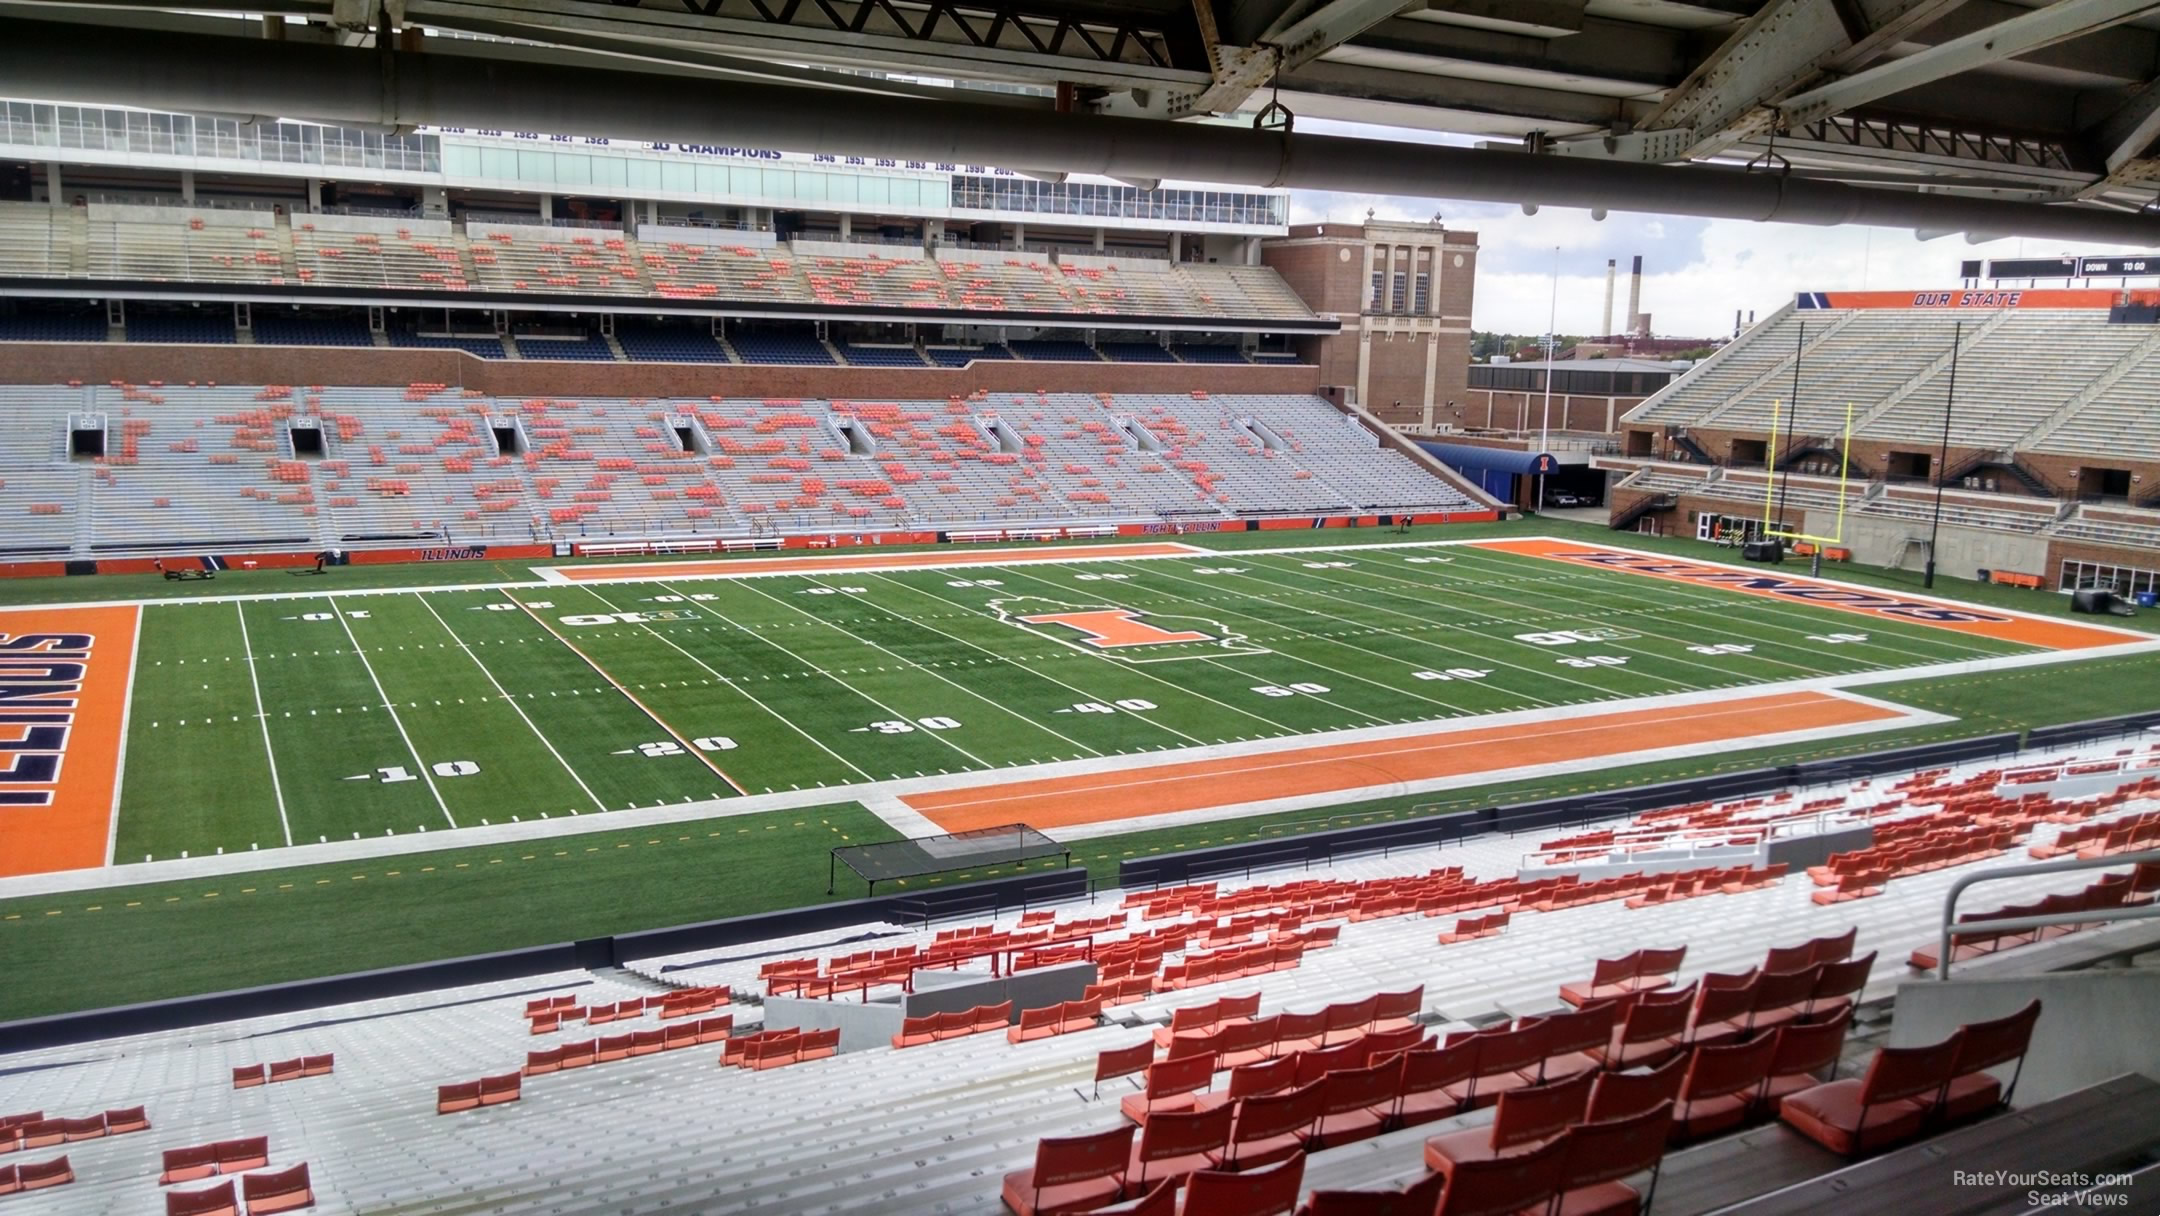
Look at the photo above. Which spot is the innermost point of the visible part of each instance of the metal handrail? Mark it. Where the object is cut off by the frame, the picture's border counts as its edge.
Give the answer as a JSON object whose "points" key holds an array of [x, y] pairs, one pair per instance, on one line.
{"points": [[1952, 928]]}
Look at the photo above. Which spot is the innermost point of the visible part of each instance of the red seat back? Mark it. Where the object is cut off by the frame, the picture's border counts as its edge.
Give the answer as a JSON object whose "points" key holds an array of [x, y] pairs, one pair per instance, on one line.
{"points": [[1658, 1015], [239, 1156], [1313, 1065], [1504, 1184], [1536, 1112], [1068, 1159], [1986, 1044], [1582, 1030], [1125, 1061], [1841, 979], [1809, 1047], [1185, 1132], [1502, 1051], [1623, 1095], [1724, 998], [1661, 962], [1388, 1006], [1348, 1090], [1827, 950], [1783, 989], [1612, 1149], [1231, 1008], [1425, 1071], [1277, 1114], [1714, 1072], [210, 1201], [1910, 1072], [277, 1190], [1272, 1191], [1616, 970], [1169, 1078], [187, 1164], [1265, 1077]]}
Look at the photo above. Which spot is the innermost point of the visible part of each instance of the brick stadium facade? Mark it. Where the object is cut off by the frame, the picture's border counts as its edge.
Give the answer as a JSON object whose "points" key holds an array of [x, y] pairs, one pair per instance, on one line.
{"points": [[1404, 348]]}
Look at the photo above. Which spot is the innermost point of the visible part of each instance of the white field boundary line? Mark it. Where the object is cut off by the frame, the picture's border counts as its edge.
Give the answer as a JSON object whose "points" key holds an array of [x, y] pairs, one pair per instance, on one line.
{"points": [[425, 773], [2129, 635], [512, 702], [1804, 580], [262, 719], [870, 565], [877, 794], [127, 710]]}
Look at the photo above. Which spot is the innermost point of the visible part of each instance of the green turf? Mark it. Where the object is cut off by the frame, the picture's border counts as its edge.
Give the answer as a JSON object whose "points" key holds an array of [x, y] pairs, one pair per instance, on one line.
{"points": [[395, 713], [148, 942], [498, 709]]}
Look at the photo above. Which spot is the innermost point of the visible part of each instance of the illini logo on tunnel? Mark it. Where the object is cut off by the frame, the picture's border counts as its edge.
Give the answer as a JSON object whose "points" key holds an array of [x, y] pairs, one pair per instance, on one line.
{"points": [[1128, 634]]}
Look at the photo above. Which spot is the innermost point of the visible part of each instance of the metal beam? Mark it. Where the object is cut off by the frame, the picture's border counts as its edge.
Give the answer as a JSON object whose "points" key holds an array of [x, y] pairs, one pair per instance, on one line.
{"points": [[2058, 22], [346, 85], [2124, 136], [1777, 50], [1285, 44]]}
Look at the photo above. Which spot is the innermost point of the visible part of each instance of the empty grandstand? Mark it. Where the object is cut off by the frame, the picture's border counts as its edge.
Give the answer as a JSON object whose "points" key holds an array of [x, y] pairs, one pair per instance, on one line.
{"points": [[2046, 450]]}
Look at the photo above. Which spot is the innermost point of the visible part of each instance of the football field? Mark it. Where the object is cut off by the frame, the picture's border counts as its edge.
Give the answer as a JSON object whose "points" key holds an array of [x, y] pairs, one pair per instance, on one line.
{"points": [[916, 681]]}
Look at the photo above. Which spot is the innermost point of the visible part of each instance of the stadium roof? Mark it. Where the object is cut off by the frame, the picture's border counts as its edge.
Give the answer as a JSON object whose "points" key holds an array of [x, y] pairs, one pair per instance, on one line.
{"points": [[1989, 106]]}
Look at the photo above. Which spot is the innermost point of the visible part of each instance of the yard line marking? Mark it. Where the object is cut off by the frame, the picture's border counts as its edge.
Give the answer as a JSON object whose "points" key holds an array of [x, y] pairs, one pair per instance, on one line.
{"points": [[597, 804], [425, 774], [1222, 666], [1601, 692], [1305, 633], [999, 706], [1136, 669], [995, 657], [617, 685], [127, 709], [1487, 562], [937, 735], [736, 685], [1719, 673], [262, 719]]}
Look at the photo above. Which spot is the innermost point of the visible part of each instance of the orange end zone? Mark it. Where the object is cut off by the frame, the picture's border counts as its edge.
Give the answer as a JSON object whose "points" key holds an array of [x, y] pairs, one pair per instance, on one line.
{"points": [[2037, 632], [63, 701], [1341, 767], [654, 571]]}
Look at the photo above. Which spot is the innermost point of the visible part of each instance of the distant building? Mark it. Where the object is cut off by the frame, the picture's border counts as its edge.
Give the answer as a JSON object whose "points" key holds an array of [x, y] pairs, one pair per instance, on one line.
{"points": [[1402, 292]]}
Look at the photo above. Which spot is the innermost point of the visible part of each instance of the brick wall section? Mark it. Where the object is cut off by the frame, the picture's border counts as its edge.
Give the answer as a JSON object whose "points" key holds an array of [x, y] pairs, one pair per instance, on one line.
{"points": [[1493, 410], [139, 363]]}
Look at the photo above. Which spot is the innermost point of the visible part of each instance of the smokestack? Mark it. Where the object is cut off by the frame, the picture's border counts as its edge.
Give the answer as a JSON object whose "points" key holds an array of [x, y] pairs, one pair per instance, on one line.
{"points": [[1634, 297], [1612, 270], [1735, 322]]}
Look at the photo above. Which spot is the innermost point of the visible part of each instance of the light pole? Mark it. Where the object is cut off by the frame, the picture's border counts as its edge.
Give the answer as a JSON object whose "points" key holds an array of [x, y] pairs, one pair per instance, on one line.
{"points": [[1552, 342]]}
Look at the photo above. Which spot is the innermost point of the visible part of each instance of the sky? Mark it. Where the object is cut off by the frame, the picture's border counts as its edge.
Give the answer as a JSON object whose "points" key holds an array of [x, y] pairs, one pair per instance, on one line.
{"points": [[1696, 272]]}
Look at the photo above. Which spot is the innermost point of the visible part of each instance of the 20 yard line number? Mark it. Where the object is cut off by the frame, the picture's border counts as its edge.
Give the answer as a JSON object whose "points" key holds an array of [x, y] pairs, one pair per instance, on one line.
{"points": [[669, 747]]}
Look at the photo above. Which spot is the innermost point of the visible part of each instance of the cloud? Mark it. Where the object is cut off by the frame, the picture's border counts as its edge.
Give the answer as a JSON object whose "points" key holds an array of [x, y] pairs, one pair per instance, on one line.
{"points": [[1696, 272]]}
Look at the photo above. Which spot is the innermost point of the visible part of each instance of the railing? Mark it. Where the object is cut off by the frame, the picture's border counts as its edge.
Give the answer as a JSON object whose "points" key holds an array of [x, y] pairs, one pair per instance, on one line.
{"points": [[1951, 928], [534, 221]]}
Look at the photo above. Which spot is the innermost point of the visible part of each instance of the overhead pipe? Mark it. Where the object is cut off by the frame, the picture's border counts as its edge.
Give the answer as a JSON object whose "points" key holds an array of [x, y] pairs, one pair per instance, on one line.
{"points": [[363, 86]]}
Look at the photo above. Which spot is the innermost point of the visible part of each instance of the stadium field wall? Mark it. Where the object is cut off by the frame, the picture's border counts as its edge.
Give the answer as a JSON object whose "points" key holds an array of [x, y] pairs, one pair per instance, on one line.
{"points": [[1230, 861], [1875, 542], [442, 553], [978, 898], [142, 363]]}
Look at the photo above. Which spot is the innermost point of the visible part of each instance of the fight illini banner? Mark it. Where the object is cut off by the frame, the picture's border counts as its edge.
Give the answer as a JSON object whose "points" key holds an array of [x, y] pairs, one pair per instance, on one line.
{"points": [[64, 676]]}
